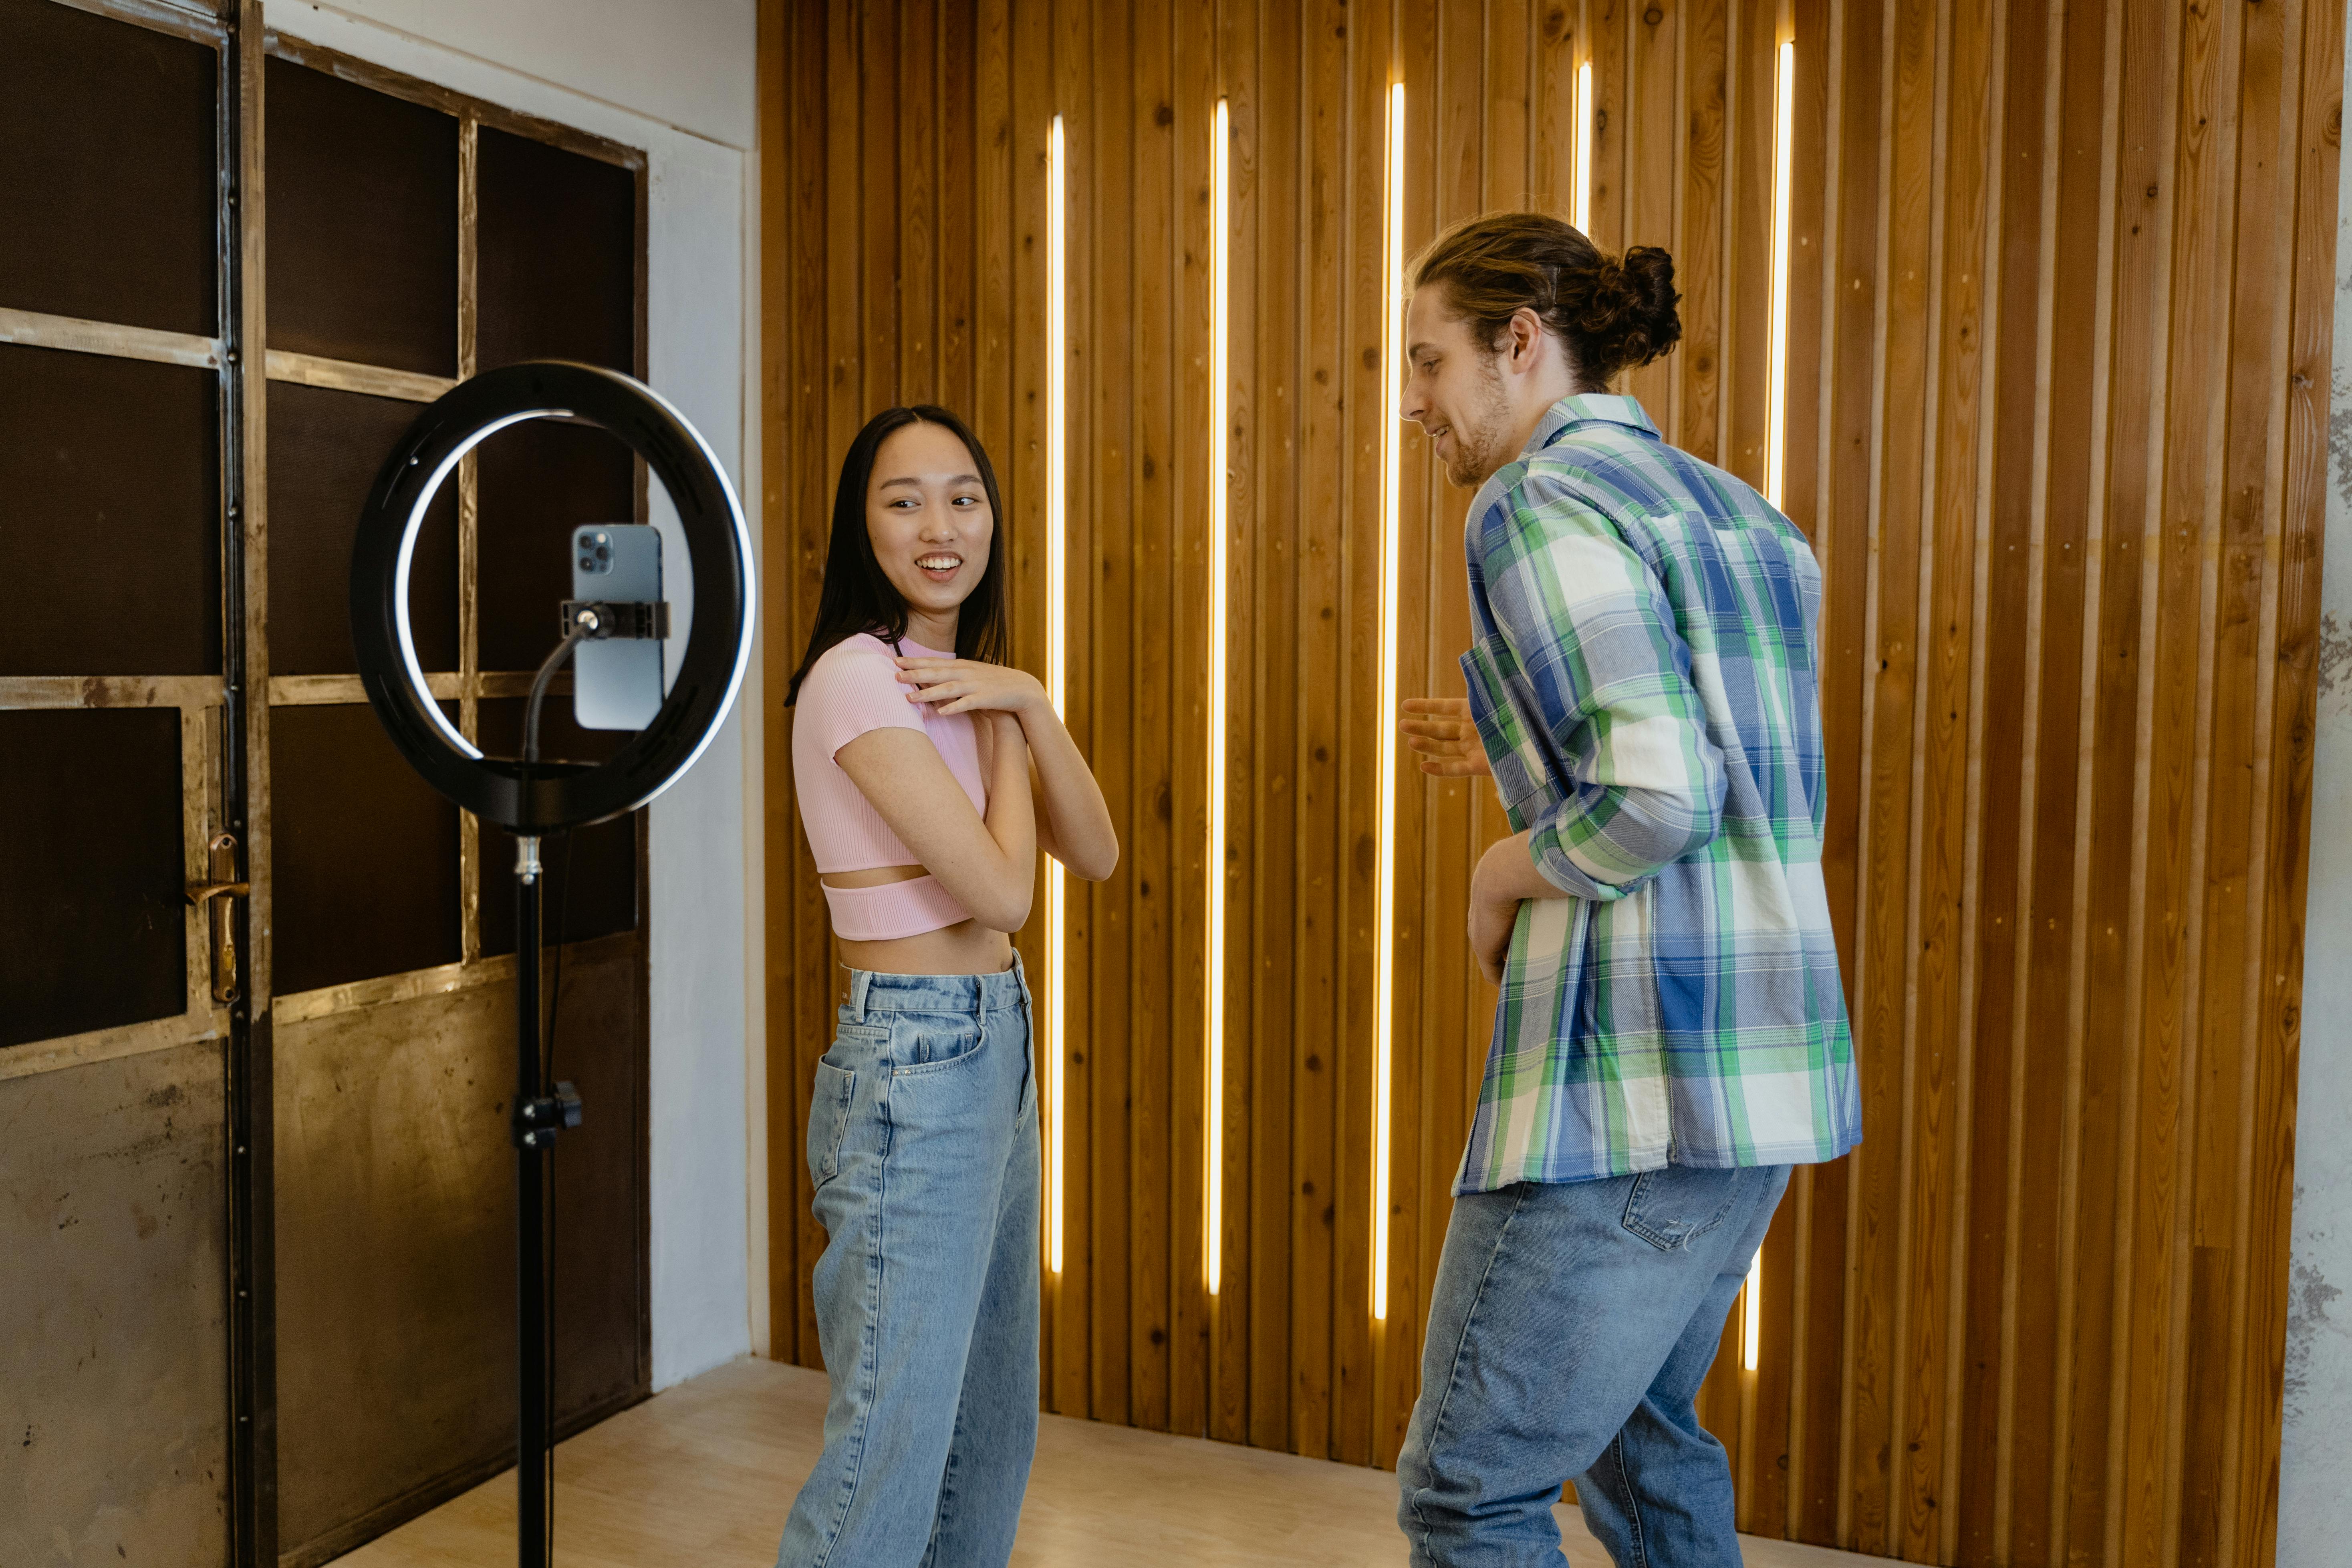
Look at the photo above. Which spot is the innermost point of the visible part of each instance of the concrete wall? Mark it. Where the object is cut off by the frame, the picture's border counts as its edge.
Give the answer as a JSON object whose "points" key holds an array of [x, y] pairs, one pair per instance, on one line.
{"points": [[677, 78], [2315, 1506]]}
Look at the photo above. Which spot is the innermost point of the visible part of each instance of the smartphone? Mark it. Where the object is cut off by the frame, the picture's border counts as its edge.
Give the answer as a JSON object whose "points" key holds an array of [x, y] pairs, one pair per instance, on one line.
{"points": [[616, 682]]}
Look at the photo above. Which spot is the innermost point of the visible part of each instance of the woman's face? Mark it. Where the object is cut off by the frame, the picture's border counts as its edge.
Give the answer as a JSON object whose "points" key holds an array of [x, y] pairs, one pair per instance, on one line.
{"points": [[928, 515]]}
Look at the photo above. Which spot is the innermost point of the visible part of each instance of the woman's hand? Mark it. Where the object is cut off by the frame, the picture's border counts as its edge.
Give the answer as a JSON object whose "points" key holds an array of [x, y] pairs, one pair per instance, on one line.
{"points": [[969, 686], [1441, 730]]}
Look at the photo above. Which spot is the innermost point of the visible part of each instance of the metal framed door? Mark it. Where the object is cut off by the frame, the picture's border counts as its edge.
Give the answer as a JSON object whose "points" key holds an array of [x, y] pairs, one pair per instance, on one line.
{"points": [[254, 1192], [415, 236], [134, 1093]]}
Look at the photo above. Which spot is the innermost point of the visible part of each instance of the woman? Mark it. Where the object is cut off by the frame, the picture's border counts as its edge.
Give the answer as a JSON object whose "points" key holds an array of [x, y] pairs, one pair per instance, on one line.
{"points": [[929, 774]]}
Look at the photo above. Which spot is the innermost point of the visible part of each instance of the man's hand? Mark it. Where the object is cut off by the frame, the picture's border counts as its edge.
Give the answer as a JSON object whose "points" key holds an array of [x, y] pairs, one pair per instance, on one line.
{"points": [[1441, 730], [1491, 923], [1504, 878]]}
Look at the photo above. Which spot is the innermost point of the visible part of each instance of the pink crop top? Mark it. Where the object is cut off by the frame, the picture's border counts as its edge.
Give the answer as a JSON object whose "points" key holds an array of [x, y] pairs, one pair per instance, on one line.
{"points": [[855, 687]]}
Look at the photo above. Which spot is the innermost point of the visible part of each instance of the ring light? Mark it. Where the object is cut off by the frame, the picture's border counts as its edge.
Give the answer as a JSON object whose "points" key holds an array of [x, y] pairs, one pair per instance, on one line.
{"points": [[543, 797], [532, 799]]}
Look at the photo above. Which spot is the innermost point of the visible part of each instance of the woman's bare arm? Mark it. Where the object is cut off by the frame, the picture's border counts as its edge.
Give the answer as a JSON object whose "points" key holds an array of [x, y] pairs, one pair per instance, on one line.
{"points": [[990, 866], [1074, 825], [1073, 810]]}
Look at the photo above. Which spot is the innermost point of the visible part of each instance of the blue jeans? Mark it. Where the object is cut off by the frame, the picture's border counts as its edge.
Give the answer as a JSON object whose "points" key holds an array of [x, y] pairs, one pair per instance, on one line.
{"points": [[923, 1144], [1572, 1326]]}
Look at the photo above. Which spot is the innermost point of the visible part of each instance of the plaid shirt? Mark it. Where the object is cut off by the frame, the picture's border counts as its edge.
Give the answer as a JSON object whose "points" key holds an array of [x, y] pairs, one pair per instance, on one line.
{"points": [[1644, 685]]}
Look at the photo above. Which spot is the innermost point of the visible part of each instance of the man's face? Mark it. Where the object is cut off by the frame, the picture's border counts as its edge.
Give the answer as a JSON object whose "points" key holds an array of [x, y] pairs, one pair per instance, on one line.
{"points": [[1454, 390]]}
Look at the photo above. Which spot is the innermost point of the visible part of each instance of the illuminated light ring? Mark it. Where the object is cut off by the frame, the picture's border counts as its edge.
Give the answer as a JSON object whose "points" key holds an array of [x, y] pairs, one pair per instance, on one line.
{"points": [[548, 796]]}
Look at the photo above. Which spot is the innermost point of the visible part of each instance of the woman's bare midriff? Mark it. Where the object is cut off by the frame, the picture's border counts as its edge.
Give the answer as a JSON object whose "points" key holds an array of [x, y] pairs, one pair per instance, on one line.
{"points": [[965, 948]]}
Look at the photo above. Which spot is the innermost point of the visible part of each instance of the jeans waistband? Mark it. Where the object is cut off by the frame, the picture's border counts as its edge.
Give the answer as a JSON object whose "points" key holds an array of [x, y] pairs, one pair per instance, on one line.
{"points": [[873, 992]]}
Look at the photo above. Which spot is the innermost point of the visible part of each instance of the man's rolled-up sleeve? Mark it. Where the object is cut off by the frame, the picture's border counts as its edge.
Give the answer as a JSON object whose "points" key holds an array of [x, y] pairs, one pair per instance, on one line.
{"points": [[1593, 632]]}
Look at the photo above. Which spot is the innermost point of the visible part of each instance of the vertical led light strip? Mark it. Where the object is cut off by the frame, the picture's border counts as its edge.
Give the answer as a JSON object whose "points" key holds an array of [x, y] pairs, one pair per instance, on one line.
{"points": [[1776, 408], [1583, 218], [1057, 420], [1385, 916], [1219, 420], [1776, 444]]}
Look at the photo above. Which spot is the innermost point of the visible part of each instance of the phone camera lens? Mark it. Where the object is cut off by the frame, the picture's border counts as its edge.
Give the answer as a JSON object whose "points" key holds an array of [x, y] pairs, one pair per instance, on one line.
{"points": [[586, 564]]}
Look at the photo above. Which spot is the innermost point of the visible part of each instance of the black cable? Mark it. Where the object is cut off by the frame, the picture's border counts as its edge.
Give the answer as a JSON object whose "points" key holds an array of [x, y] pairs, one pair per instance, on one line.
{"points": [[581, 624]]}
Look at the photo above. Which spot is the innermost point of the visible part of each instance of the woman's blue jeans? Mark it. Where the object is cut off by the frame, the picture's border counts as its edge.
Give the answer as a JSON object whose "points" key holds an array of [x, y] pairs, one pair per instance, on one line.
{"points": [[922, 1142], [1571, 1325]]}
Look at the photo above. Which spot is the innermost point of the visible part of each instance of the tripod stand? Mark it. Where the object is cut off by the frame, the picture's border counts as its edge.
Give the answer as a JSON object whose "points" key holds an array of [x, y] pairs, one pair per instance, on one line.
{"points": [[540, 1111], [529, 798]]}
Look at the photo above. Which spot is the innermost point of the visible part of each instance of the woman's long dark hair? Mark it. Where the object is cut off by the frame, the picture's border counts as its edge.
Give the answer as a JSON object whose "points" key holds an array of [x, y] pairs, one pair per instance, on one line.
{"points": [[859, 596]]}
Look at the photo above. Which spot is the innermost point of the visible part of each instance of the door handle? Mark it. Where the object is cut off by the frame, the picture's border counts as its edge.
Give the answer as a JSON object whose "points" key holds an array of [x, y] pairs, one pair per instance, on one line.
{"points": [[213, 897]]}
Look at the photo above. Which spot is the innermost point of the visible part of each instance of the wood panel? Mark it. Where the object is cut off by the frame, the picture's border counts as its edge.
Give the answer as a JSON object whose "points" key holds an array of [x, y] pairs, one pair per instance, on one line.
{"points": [[2053, 428]]}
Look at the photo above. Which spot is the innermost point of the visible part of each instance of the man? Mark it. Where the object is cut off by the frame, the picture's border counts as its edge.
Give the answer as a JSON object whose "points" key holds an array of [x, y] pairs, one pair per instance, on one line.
{"points": [[1672, 1035]]}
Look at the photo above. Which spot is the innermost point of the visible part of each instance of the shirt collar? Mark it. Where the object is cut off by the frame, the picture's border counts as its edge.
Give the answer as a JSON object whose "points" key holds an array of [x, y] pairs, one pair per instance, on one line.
{"points": [[1587, 409]]}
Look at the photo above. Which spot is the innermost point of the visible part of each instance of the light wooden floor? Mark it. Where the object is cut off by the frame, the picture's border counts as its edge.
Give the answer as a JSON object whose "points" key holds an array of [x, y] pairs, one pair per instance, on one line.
{"points": [[702, 1475]]}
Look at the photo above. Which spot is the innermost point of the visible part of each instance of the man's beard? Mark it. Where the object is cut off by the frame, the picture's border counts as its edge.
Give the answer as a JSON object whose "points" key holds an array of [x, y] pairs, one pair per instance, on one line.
{"points": [[1479, 450]]}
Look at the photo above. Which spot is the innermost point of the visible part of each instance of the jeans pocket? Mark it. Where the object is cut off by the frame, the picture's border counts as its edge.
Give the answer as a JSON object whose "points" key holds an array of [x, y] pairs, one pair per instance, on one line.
{"points": [[1673, 1207], [935, 1042], [829, 1105]]}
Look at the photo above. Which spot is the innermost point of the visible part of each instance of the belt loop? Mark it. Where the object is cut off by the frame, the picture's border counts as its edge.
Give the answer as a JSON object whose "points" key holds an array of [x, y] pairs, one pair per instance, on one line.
{"points": [[859, 980]]}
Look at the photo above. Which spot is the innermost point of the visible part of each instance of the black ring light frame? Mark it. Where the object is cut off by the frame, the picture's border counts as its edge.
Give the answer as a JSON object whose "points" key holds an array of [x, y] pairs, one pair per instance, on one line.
{"points": [[549, 796], [530, 800]]}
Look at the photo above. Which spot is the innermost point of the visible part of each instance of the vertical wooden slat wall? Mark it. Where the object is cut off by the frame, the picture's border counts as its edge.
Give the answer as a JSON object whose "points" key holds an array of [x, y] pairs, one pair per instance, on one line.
{"points": [[2059, 327]]}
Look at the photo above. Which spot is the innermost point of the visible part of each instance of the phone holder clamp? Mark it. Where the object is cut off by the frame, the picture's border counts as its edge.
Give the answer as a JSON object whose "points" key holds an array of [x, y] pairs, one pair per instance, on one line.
{"points": [[623, 619]]}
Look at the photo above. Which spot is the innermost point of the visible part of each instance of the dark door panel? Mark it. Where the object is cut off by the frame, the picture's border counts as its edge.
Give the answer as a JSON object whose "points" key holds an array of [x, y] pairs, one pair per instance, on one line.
{"points": [[94, 928], [324, 449], [364, 871], [108, 192], [362, 224], [558, 248], [110, 499], [113, 1393]]}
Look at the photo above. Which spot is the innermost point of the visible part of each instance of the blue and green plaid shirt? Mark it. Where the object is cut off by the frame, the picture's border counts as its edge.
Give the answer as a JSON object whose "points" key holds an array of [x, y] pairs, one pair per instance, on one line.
{"points": [[1644, 683]]}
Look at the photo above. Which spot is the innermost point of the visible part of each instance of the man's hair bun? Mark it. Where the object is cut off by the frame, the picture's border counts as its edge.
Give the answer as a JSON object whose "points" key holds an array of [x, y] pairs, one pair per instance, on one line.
{"points": [[1614, 312], [1642, 285]]}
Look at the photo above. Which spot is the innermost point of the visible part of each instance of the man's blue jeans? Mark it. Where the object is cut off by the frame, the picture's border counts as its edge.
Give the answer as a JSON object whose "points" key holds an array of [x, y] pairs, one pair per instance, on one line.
{"points": [[923, 1144], [1572, 1326]]}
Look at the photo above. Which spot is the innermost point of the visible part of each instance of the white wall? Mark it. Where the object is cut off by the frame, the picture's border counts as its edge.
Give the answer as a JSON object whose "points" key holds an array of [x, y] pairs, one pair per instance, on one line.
{"points": [[687, 64], [2315, 1505], [675, 78]]}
